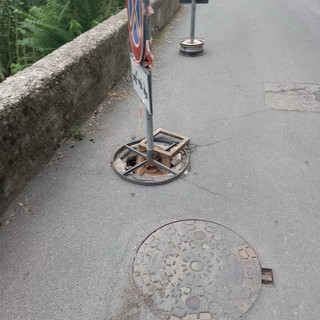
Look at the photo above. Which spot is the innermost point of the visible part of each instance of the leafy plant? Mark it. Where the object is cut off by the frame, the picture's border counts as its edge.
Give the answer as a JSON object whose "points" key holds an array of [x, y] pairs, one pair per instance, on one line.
{"points": [[114, 6], [10, 51], [78, 133], [2, 72], [44, 30], [31, 29]]}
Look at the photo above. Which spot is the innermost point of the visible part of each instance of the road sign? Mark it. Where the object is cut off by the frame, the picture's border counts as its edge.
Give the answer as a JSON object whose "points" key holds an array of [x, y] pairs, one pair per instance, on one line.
{"points": [[198, 1], [141, 78], [136, 13]]}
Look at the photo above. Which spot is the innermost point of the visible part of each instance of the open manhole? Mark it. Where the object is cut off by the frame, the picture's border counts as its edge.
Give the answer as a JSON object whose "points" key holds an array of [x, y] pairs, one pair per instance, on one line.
{"points": [[197, 270], [170, 161]]}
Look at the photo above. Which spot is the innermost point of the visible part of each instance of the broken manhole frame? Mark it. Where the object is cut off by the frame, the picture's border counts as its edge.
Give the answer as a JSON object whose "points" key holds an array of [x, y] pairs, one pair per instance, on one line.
{"points": [[157, 283], [171, 158]]}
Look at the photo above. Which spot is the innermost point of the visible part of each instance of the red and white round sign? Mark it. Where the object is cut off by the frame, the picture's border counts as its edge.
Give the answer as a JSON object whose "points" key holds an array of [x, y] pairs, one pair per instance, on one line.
{"points": [[136, 13]]}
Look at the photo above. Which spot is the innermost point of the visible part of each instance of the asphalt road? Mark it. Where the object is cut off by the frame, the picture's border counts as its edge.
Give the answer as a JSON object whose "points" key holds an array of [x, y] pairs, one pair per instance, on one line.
{"points": [[251, 107]]}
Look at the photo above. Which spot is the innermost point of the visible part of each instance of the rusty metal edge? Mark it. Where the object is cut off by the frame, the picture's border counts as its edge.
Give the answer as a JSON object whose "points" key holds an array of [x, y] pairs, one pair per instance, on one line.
{"points": [[149, 183]]}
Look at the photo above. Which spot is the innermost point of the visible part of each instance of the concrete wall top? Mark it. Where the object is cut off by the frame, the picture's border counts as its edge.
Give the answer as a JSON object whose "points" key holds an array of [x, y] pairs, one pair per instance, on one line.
{"points": [[40, 104]]}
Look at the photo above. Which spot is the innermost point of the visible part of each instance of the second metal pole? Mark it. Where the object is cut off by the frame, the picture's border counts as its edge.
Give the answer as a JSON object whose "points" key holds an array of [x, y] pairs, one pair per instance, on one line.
{"points": [[193, 19]]}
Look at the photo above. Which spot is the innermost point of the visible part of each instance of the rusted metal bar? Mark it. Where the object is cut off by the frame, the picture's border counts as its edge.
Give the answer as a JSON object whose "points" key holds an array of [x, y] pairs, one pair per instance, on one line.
{"points": [[136, 151], [164, 167]]}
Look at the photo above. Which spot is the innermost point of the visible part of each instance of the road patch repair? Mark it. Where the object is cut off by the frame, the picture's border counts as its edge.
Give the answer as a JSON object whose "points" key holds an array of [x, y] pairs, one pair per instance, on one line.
{"points": [[196, 269], [293, 97]]}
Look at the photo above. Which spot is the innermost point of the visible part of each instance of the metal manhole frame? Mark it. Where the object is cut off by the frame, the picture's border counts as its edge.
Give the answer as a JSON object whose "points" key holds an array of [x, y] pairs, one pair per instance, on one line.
{"points": [[157, 181], [201, 220]]}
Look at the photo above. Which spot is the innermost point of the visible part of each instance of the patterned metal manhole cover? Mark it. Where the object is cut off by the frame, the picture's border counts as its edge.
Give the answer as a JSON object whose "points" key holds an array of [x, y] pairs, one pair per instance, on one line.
{"points": [[196, 269]]}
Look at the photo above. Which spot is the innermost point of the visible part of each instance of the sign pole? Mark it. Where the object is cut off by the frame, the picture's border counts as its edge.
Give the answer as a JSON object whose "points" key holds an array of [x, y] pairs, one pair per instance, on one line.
{"points": [[149, 125], [192, 46], [149, 113], [193, 20], [146, 161]]}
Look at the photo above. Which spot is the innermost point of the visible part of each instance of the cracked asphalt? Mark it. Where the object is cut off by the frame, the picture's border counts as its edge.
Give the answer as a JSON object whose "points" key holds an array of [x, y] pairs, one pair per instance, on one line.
{"points": [[71, 236]]}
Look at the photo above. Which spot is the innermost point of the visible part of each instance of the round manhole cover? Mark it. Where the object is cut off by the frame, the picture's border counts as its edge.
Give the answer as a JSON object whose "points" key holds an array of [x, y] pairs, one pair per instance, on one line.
{"points": [[196, 269]]}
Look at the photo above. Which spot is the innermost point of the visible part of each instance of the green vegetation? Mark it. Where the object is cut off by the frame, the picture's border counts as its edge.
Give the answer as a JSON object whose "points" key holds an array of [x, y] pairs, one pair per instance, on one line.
{"points": [[77, 133], [31, 29]]}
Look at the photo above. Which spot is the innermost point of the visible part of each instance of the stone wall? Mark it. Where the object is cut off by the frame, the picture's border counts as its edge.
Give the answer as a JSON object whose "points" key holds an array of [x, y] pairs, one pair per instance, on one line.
{"points": [[40, 105]]}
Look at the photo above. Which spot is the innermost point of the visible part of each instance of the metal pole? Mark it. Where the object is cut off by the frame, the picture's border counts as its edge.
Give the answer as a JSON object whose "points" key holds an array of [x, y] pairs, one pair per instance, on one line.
{"points": [[148, 22], [149, 116], [193, 19], [149, 125]]}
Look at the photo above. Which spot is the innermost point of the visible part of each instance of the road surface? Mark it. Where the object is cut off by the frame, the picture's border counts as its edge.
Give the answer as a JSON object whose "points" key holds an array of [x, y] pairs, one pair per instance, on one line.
{"points": [[251, 107]]}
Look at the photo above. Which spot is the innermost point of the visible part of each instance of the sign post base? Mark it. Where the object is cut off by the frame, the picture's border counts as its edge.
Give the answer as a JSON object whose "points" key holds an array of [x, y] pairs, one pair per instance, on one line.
{"points": [[191, 48]]}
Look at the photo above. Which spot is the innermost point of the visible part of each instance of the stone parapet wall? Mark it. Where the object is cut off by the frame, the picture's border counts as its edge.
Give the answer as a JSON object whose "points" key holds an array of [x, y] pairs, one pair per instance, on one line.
{"points": [[40, 104]]}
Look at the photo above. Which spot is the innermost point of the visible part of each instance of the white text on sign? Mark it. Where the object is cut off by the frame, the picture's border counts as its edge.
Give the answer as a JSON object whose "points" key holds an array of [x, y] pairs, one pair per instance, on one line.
{"points": [[141, 78]]}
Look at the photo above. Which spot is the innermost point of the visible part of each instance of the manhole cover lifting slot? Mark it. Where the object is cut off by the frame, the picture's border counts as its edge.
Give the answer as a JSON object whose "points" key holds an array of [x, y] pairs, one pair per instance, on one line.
{"points": [[267, 276]]}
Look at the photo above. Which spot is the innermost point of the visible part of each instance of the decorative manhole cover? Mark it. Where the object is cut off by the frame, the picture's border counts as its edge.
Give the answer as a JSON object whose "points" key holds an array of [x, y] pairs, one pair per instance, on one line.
{"points": [[196, 269]]}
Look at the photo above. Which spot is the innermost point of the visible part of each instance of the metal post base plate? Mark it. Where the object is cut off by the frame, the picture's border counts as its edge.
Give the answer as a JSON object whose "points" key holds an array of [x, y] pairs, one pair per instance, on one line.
{"points": [[191, 48]]}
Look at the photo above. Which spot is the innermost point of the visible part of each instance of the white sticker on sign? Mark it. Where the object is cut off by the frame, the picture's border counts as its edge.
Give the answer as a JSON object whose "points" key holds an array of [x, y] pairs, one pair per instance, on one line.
{"points": [[141, 78]]}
